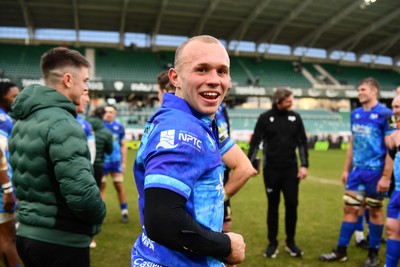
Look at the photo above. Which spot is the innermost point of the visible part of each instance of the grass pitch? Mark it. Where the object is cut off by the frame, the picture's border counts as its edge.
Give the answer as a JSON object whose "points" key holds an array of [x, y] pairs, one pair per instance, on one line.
{"points": [[320, 214]]}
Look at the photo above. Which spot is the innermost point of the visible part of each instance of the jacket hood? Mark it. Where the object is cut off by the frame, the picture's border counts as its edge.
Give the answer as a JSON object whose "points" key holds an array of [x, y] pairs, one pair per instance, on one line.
{"points": [[96, 123], [35, 97]]}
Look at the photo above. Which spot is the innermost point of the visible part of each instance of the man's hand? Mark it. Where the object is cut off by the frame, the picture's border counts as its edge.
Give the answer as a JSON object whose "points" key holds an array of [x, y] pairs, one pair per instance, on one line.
{"points": [[395, 137], [345, 174], [9, 201], [383, 185], [238, 248], [302, 174], [256, 165]]}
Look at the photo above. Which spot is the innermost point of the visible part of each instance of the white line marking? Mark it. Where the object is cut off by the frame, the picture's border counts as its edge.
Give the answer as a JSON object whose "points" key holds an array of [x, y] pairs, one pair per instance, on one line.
{"points": [[325, 181]]}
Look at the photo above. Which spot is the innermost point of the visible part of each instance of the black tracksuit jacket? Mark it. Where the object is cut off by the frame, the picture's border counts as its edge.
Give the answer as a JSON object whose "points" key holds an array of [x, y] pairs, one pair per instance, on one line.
{"points": [[281, 132]]}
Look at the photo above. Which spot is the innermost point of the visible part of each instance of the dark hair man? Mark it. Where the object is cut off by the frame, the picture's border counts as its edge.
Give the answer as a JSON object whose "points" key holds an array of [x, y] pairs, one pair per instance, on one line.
{"points": [[60, 204], [282, 131]]}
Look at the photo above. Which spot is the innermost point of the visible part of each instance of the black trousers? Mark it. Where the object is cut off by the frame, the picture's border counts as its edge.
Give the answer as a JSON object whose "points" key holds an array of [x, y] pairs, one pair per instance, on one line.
{"points": [[98, 173], [285, 181], [34, 253]]}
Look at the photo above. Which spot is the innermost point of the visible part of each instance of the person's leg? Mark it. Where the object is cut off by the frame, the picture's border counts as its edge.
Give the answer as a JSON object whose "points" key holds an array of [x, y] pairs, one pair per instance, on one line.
{"points": [[359, 233], [290, 189], [103, 186], [353, 198], [393, 230], [8, 250], [273, 191], [375, 227], [393, 242], [118, 179], [98, 174], [36, 253], [374, 204], [107, 170]]}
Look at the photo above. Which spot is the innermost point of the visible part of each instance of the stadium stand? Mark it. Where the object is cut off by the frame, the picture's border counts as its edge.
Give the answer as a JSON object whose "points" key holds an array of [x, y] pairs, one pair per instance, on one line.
{"points": [[144, 66], [269, 72], [138, 66], [23, 60], [351, 75], [316, 121]]}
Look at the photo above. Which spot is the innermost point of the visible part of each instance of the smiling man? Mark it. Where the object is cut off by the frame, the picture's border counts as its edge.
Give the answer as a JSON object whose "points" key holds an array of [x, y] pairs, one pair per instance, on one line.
{"points": [[178, 168]]}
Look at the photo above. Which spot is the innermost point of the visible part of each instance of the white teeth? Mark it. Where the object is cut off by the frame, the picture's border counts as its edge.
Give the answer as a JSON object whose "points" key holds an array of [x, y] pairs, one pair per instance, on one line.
{"points": [[210, 94]]}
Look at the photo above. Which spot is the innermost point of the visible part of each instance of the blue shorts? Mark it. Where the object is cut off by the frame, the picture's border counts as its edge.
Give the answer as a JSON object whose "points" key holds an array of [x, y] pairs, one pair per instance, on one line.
{"points": [[112, 167], [393, 209], [365, 180], [139, 261]]}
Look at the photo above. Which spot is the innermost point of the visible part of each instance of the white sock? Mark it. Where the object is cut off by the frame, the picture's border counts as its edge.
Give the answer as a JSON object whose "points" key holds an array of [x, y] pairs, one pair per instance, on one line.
{"points": [[359, 236]]}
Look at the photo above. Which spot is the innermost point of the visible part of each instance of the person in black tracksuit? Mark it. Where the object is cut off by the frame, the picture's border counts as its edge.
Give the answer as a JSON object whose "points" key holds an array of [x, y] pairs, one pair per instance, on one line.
{"points": [[282, 131]]}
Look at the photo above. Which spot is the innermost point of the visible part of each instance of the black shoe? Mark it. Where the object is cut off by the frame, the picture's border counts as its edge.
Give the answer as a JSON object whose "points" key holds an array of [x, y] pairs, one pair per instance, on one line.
{"points": [[294, 250], [333, 256], [372, 260], [125, 218], [271, 251], [364, 244]]}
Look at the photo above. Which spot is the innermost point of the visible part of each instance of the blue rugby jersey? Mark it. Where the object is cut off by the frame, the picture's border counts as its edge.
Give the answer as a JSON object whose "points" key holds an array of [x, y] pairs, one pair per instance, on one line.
{"points": [[179, 152], [118, 132], [396, 172], [87, 128], [6, 125], [369, 128], [225, 140]]}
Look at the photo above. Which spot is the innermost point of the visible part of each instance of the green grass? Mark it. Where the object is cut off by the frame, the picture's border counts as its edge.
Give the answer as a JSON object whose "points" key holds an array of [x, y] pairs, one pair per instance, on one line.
{"points": [[320, 214]]}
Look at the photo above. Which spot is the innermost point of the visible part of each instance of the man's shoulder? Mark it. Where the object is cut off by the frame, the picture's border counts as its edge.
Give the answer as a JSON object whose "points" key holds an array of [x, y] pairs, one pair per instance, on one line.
{"points": [[267, 113], [183, 126], [384, 110], [117, 124], [294, 113]]}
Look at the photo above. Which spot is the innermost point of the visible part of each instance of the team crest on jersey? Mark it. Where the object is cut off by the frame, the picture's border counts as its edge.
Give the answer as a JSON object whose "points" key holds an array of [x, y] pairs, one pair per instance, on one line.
{"points": [[291, 118], [373, 116], [271, 119], [167, 139]]}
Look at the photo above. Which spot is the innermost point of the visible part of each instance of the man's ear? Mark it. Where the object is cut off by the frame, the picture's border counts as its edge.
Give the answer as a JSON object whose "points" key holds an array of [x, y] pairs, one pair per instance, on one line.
{"points": [[67, 79], [173, 77]]}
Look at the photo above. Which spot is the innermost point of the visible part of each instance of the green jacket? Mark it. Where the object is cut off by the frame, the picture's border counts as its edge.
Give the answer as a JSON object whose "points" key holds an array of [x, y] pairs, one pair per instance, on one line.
{"points": [[104, 139], [59, 201]]}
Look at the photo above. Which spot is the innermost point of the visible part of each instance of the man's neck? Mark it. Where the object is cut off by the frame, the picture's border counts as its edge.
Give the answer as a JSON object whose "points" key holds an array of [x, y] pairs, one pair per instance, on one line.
{"points": [[369, 105]]}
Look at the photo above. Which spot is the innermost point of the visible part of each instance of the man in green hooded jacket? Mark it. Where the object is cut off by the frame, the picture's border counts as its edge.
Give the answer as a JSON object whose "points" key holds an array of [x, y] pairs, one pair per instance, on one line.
{"points": [[60, 205]]}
